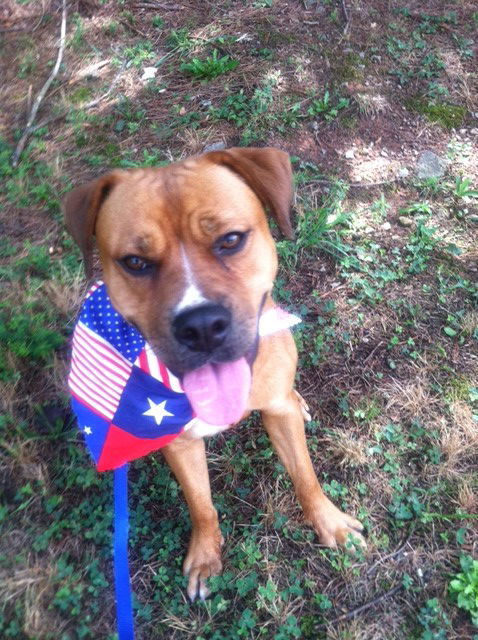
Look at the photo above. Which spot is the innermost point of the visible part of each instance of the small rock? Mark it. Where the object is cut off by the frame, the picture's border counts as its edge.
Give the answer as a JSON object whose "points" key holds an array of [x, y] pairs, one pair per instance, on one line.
{"points": [[474, 131], [350, 154], [429, 165], [386, 226], [215, 146], [368, 230], [405, 221], [403, 172], [384, 153], [149, 73]]}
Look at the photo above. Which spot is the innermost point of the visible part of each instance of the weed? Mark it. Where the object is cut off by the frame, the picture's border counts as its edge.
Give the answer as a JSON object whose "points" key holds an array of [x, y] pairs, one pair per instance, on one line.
{"points": [[380, 208], [29, 183], [419, 248], [130, 118], [318, 229], [25, 334], [111, 28], [179, 40], [140, 53], [327, 107], [157, 22], [77, 39], [420, 208], [463, 589], [210, 67], [463, 45], [26, 65], [434, 621], [462, 188], [82, 94]]}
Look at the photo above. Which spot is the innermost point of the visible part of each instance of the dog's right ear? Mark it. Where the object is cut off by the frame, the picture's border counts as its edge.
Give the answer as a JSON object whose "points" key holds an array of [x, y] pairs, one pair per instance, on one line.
{"points": [[81, 207]]}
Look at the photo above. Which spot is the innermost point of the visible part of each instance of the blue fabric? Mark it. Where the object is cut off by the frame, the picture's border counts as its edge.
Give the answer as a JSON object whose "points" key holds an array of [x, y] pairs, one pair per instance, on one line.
{"points": [[124, 609], [99, 315]]}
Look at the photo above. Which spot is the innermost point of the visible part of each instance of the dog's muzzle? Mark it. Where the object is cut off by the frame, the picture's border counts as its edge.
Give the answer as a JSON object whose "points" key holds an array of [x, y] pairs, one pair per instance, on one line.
{"points": [[203, 328]]}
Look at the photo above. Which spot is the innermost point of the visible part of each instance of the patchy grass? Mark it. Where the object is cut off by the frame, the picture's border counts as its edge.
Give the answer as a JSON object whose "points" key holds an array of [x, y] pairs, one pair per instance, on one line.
{"points": [[388, 343]]}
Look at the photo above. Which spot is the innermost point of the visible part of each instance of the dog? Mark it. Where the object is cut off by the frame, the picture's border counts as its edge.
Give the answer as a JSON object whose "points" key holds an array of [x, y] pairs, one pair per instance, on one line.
{"points": [[188, 259]]}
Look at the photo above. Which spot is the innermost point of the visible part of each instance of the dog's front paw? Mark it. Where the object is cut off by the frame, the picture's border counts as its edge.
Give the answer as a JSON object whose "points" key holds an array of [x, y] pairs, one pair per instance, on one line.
{"points": [[202, 561], [334, 527]]}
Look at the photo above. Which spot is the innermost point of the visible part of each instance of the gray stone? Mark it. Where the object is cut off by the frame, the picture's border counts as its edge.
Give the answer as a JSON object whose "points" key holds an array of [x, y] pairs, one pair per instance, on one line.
{"points": [[215, 146], [405, 221], [429, 165], [403, 172]]}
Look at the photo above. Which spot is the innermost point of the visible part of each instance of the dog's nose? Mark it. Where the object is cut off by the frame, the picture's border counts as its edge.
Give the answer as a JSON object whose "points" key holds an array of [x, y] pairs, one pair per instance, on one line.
{"points": [[202, 328]]}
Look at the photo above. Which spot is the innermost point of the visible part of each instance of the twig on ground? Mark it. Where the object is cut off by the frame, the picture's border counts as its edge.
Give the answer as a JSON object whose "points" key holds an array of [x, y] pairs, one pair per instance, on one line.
{"points": [[395, 553], [128, 25], [43, 90], [359, 185], [157, 5], [346, 16], [88, 105], [353, 612]]}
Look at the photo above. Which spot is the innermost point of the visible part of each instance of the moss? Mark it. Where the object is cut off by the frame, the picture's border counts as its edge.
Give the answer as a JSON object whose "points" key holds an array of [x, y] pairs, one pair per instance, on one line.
{"points": [[271, 38], [349, 67], [349, 122], [82, 94], [457, 389], [449, 116]]}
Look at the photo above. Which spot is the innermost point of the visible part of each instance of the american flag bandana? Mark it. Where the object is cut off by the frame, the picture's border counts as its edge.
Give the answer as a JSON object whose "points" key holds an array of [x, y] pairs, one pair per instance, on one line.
{"points": [[127, 403]]}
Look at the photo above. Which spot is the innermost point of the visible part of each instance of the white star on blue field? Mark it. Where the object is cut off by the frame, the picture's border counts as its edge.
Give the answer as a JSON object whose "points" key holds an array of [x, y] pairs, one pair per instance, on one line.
{"points": [[157, 411]]}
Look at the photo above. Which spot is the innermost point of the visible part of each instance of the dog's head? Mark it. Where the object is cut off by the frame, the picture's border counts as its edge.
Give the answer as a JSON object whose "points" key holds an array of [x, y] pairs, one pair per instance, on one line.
{"points": [[187, 255]]}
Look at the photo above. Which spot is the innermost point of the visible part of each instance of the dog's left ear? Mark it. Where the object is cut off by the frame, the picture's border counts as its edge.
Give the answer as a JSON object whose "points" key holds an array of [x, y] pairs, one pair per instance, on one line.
{"points": [[267, 171]]}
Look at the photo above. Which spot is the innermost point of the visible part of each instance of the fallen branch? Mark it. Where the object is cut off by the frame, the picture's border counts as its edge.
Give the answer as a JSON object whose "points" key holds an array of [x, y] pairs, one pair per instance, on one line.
{"points": [[353, 612], [85, 107], [346, 16], [359, 185], [43, 90]]}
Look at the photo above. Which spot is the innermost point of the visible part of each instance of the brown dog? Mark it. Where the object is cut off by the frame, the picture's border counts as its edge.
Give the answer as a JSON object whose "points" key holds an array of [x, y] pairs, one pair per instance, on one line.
{"points": [[188, 259]]}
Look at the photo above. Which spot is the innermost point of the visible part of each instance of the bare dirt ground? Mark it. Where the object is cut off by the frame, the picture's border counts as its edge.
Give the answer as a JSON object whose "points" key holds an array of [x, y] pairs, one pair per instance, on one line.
{"points": [[383, 272]]}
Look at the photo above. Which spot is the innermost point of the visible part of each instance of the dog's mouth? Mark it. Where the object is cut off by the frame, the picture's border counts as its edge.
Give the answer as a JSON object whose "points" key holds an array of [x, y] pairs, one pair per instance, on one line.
{"points": [[219, 391]]}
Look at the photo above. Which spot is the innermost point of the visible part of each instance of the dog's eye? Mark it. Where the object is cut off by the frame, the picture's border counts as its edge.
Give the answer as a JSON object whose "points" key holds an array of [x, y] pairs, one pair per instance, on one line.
{"points": [[136, 265], [230, 243]]}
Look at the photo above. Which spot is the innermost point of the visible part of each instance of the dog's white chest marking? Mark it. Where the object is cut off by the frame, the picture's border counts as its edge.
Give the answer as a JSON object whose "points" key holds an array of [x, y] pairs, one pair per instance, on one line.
{"points": [[192, 296], [199, 429]]}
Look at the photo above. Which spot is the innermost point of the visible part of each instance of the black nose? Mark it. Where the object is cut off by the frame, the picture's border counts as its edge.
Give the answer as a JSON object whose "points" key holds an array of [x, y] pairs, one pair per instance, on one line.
{"points": [[202, 328]]}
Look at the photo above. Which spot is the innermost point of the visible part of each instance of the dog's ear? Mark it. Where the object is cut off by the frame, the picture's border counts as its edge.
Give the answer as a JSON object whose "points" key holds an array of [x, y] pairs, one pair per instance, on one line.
{"points": [[267, 171], [81, 208]]}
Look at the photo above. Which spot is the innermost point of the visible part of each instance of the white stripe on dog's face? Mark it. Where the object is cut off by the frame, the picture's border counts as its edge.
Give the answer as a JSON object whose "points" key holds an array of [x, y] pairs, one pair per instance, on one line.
{"points": [[192, 296]]}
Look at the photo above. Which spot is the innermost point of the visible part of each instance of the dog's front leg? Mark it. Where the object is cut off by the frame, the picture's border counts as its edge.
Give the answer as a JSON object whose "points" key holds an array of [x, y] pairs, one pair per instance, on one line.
{"points": [[285, 426], [187, 460]]}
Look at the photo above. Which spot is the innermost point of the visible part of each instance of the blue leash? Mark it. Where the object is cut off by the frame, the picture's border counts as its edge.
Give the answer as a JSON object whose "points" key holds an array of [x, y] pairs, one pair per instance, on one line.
{"points": [[124, 609]]}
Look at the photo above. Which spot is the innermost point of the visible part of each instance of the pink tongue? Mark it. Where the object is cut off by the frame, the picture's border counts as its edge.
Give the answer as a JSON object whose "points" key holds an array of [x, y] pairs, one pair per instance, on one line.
{"points": [[218, 392]]}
